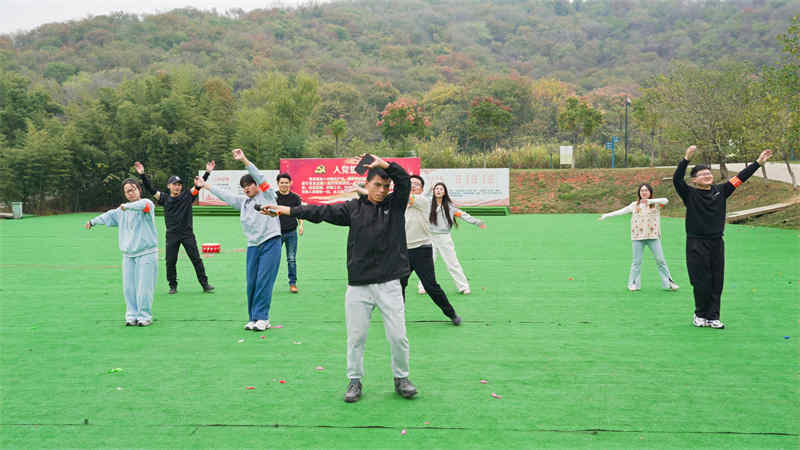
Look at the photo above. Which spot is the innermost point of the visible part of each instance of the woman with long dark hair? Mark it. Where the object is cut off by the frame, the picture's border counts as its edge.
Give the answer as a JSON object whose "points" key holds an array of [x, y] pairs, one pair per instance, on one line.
{"points": [[645, 232], [442, 219]]}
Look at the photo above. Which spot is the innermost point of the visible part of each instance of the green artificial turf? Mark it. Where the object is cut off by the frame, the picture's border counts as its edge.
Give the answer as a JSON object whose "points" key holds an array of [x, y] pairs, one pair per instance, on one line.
{"points": [[577, 359]]}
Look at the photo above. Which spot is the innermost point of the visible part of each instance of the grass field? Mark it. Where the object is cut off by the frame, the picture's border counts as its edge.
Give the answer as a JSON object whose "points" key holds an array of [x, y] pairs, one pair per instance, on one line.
{"points": [[577, 359]]}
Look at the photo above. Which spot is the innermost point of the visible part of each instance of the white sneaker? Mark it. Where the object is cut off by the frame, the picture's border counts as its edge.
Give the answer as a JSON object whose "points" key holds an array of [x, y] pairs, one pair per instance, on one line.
{"points": [[699, 322], [465, 292], [716, 324], [673, 286], [262, 325], [250, 325], [633, 288]]}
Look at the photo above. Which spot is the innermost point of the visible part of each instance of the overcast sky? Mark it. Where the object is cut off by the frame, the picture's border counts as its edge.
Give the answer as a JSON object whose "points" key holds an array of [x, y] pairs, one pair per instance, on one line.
{"points": [[16, 15]]}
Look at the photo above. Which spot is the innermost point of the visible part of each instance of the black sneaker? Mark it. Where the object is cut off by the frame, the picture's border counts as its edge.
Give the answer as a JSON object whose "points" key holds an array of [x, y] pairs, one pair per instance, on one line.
{"points": [[353, 393], [456, 320], [131, 323], [208, 288], [173, 290], [404, 387]]}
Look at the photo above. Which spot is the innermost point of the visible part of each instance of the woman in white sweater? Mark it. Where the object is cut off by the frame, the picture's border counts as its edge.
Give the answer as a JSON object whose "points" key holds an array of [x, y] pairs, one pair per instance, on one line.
{"points": [[442, 218], [645, 231]]}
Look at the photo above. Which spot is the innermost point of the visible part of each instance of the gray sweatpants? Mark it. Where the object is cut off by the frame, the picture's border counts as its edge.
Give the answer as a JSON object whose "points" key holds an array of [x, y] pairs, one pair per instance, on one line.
{"points": [[359, 302]]}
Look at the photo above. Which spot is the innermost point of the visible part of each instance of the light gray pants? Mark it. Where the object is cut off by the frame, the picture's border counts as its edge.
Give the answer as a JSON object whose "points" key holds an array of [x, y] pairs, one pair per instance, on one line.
{"points": [[359, 302], [139, 274], [635, 277]]}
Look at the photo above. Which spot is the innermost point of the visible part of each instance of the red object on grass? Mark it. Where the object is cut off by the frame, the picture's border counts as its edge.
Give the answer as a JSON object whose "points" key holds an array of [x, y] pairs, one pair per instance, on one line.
{"points": [[211, 248]]}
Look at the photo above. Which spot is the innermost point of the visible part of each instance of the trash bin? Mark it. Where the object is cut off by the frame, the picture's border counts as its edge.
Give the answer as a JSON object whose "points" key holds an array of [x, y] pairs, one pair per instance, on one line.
{"points": [[16, 209]]}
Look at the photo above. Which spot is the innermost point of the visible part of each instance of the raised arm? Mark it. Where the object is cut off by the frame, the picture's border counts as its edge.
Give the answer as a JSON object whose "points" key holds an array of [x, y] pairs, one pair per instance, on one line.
{"points": [[746, 173], [261, 181], [232, 200], [146, 181], [402, 182], [626, 210], [680, 173]]}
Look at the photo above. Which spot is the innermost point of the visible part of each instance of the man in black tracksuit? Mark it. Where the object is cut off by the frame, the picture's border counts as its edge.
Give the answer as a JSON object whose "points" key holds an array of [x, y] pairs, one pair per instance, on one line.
{"points": [[376, 262], [705, 222], [178, 219]]}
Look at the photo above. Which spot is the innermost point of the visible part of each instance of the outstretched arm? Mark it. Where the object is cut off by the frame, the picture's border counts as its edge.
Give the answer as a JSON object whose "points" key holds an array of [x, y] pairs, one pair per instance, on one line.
{"points": [[626, 210], [746, 173], [109, 218], [336, 214], [232, 200], [467, 218]]}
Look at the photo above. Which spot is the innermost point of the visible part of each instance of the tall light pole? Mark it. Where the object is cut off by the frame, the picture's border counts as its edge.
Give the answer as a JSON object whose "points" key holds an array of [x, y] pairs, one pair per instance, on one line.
{"points": [[627, 104]]}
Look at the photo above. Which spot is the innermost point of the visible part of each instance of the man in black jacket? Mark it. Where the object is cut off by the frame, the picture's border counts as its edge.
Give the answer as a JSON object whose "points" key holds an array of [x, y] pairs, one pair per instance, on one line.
{"points": [[178, 219], [705, 222], [376, 261]]}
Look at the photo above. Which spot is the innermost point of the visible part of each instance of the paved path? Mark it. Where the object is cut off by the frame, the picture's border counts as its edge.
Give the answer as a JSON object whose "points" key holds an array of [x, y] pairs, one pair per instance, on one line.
{"points": [[775, 170]]}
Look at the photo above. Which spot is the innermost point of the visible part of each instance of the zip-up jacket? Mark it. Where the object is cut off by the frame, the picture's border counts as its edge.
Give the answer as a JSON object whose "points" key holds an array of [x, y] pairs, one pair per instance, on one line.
{"points": [[705, 208], [376, 241]]}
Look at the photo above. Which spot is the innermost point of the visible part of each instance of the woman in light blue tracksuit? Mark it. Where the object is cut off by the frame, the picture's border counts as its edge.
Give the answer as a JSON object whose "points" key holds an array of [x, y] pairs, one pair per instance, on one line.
{"points": [[263, 239], [138, 242]]}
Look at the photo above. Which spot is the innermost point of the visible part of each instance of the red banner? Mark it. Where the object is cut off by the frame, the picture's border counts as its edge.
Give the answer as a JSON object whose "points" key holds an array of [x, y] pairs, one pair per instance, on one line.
{"points": [[320, 181]]}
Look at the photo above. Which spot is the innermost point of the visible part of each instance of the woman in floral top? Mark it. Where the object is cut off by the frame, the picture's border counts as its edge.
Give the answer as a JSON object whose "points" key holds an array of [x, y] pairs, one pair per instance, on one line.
{"points": [[645, 231]]}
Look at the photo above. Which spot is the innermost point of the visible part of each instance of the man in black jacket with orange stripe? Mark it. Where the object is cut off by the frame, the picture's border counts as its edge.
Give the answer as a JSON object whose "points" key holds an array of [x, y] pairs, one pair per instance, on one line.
{"points": [[178, 219], [377, 260], [705, 222]]}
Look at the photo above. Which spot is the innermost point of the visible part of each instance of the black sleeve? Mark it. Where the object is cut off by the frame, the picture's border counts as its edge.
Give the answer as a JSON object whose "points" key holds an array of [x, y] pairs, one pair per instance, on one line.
{"points": [[336, 214], [402, 185], [731, 185], [677, 179], [206, 175], [146, 183]]}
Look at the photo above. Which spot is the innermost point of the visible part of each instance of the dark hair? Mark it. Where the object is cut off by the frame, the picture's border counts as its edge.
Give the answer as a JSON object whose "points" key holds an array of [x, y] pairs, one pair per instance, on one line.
{"points": [[433, 218], [246, 180], [649, 188], [639, 190], [283, 175], [419, 178], [134, 182], [376, 171], [698, 168]]}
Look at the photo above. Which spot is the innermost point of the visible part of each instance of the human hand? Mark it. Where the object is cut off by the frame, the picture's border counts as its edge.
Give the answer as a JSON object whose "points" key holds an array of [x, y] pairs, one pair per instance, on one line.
{"points": [[764, 156], [88, 225], [139, 168], [690, 151], [238, 154], [300, 229]]}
